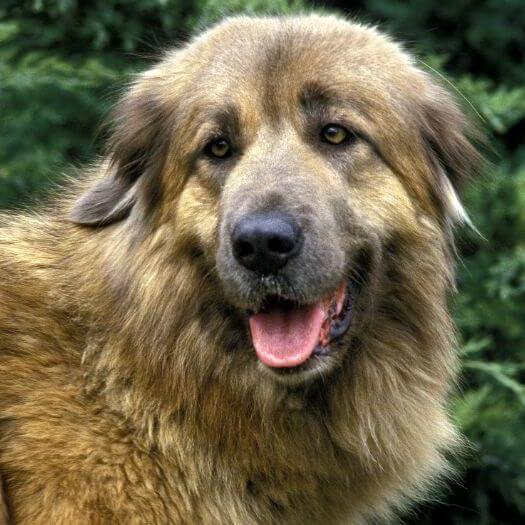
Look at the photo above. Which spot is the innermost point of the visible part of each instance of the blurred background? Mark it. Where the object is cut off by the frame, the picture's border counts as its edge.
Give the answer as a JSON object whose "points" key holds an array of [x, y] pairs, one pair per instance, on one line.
{"points": [[63, 63]]}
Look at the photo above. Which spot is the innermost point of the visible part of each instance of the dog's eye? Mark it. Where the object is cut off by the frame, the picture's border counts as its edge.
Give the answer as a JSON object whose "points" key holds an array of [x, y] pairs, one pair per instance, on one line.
{"points": [[218, 148], [334, 134]]}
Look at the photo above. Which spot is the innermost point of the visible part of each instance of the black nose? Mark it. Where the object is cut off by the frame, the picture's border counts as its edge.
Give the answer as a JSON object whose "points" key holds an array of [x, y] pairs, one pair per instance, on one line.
{"points": [[266, 242]]}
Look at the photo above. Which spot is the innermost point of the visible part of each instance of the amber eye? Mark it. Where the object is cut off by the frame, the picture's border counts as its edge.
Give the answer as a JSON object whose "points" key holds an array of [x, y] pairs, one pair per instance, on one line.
{"points": [[334, 134], [218, 148]]}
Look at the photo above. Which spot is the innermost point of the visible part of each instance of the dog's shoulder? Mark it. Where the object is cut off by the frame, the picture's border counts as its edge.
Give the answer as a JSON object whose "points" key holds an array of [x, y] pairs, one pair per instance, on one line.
{"points": [[39, 390], [33, 331], [64, 456]]}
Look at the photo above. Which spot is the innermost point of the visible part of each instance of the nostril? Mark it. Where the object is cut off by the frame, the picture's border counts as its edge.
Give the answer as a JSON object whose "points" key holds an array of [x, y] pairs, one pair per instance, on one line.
{"points": [[244, 249], [280, 244]]}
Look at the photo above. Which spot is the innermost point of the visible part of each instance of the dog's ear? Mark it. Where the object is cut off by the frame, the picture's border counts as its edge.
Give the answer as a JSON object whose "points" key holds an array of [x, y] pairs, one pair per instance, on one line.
{"points": [[135, 150], [449, 139], [109, 200]]}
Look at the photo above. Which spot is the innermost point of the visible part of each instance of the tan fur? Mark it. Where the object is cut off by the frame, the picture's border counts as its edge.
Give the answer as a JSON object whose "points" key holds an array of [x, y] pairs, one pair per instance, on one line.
{"points": [[128, 391]]}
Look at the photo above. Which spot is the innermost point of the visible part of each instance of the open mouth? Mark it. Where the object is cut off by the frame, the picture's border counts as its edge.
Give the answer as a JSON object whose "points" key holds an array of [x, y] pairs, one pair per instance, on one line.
{"points": [[286, 335]]}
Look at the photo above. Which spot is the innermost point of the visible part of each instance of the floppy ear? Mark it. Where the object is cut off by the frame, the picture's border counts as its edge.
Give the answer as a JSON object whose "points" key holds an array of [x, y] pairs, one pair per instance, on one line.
{"points": [[449, 140], [135, 150], [108, 201]]}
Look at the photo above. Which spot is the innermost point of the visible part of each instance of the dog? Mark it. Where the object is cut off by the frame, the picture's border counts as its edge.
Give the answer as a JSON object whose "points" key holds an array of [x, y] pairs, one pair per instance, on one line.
{"points": [[239, 313]]}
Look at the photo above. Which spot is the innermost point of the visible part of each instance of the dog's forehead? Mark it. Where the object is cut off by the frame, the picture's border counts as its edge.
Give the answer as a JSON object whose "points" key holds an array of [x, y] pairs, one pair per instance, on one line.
{"points": [[282, 39], [272, 61], [305, 47]]}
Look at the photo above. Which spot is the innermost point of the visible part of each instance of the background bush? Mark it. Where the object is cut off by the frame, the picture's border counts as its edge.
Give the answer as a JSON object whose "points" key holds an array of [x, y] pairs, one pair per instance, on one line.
{"points": [[62, 63]]}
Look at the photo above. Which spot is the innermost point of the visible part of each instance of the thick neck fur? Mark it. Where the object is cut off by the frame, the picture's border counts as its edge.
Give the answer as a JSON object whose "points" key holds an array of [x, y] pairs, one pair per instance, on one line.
{"points": [[158, 348]]}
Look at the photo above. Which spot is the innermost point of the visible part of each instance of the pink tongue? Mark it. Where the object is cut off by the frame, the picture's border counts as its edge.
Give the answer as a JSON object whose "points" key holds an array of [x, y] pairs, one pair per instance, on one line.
{"points": [[286, 338]]}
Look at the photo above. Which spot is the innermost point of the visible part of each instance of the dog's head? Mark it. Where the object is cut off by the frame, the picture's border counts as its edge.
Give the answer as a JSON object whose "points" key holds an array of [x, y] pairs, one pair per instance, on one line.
{"points": [[306, 162]]}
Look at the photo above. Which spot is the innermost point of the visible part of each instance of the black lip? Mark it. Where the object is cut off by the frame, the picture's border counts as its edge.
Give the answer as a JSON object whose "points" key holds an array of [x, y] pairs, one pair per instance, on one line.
{"points": [[340, 323]]}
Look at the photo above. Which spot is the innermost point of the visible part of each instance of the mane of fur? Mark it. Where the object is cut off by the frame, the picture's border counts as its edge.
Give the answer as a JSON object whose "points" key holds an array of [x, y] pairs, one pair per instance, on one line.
{"points": [[76, 303]]}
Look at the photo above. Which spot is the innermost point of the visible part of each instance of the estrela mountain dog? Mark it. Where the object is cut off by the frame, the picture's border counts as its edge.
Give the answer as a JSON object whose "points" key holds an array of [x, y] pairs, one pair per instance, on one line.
{"points": [[239, 314]]}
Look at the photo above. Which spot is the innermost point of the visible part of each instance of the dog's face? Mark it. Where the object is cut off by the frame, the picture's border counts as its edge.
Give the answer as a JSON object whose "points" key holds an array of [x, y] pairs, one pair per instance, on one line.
{"points": [[304, 160]]}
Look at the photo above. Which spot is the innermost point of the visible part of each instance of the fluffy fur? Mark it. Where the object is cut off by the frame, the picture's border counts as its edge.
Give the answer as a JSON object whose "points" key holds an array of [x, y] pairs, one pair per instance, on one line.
{"points": [[129, 390]]}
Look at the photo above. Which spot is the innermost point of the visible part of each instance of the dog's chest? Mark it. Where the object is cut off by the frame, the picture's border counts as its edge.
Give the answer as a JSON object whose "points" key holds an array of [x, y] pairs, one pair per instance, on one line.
{"points": [[230, 494], [97, 472], [263, 484]]}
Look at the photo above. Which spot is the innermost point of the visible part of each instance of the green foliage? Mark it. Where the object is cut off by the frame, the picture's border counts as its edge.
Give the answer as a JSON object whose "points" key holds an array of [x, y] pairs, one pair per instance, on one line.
{"points": [[62, 63], [209, 11], [51, 109], [485, 35]]}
